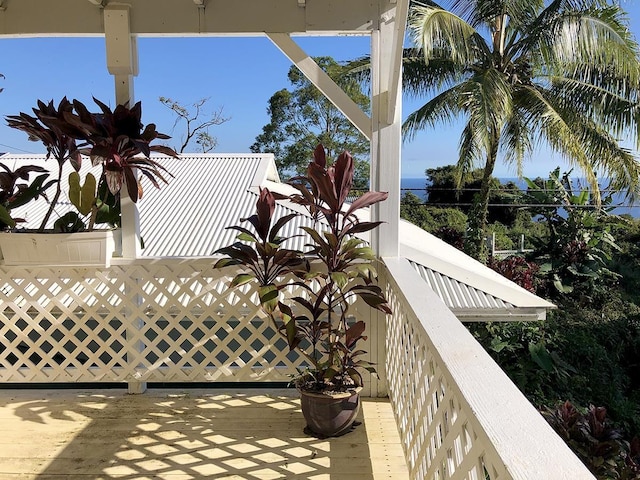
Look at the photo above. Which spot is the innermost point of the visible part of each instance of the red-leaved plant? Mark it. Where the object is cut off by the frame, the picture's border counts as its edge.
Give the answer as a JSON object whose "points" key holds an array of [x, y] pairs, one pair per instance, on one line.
{"points": [[116, 140], [59, 138], [336, 269], [119, 143]]}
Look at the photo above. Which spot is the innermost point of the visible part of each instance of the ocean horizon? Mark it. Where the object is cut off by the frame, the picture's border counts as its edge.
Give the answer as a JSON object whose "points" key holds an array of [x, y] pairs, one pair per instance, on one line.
{"points": [[418, 185]]}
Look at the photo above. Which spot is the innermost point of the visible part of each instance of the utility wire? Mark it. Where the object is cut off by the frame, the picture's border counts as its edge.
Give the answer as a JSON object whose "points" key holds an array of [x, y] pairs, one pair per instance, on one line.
{"points": [[16, 148]]}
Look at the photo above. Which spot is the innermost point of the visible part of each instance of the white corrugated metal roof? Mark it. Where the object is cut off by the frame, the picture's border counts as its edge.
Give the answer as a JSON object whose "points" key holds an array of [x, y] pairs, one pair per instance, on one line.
{"points": [[458, 295], [209, 192]]}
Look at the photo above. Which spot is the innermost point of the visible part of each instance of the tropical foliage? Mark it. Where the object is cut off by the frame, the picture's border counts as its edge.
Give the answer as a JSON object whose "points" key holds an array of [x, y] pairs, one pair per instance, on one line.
{"points": [[114, 139], [16, 190], [49, 127], [596, 441], [302, 117], [521, 72], [579, 244]]}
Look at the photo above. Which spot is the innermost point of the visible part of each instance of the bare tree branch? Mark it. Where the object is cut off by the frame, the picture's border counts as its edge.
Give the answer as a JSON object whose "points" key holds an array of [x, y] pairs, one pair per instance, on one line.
{"points": [[196, 122]]}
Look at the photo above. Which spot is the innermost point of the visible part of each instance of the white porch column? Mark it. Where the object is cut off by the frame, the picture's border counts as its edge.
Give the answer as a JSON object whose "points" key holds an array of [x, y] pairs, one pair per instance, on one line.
{"points": [[386, 108], [122, 62]]}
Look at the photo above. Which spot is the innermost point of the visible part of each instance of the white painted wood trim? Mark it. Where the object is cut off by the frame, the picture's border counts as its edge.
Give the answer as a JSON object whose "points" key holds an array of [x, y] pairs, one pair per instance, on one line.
{"points": [[479, 277], [323, 82], [385, 148], [398, 18], [122, 63], [184, 18]]}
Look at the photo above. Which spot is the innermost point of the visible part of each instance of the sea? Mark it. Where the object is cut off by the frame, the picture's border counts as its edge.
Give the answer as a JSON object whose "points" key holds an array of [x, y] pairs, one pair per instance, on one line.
{"points": [[418, 187]]}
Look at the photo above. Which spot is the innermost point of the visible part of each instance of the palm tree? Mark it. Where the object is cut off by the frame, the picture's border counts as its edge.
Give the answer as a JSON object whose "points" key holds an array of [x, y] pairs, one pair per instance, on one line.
{"points": [[522, 72]]}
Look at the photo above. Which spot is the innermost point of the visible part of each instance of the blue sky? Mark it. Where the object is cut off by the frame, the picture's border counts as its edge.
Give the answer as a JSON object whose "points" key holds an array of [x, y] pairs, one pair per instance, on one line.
{"points": [[238, 74]]}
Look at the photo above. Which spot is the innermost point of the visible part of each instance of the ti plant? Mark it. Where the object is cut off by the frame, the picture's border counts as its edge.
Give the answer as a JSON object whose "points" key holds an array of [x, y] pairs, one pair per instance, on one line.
{"points": [[118, 142], [336, 269], [49, 127], [15, 192], [596, 441], [114, 139]]}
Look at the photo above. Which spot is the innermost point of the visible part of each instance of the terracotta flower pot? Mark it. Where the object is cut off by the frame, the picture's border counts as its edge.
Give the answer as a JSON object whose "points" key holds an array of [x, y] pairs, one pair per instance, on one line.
{"points": [[330, 415]]}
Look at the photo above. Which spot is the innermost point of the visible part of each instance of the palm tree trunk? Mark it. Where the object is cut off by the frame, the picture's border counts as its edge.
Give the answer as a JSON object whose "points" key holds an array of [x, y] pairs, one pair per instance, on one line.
{"points": [[475, 244]]}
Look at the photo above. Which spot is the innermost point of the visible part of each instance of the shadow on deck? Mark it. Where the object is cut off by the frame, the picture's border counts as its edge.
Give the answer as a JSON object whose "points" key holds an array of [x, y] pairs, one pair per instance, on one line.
{"points": [[186, 434]]}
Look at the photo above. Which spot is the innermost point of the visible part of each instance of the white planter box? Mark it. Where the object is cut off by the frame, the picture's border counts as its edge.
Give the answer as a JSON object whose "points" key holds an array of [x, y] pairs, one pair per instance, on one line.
{"points": [[59, 249]]}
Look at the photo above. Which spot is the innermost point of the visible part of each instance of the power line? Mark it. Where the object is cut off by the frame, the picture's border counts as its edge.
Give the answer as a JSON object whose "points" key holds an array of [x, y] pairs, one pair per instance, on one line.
{"points": [[16, 148]]}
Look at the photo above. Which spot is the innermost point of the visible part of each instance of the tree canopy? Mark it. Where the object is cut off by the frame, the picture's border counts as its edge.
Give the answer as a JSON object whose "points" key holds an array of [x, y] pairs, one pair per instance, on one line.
{"points": [[303, 117]]}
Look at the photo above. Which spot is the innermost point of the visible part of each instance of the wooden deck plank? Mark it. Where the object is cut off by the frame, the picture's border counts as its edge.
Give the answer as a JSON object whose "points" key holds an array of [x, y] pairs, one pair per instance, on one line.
{"points": [[180, 434]]}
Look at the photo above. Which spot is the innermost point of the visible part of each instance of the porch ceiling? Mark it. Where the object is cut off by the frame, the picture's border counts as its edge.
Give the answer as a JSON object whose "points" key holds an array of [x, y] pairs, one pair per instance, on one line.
{"points": [[195, 17]]}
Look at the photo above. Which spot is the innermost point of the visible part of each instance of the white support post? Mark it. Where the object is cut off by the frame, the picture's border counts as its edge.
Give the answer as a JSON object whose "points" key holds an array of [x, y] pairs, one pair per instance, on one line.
{"points": [[122, 63], [386, 134]]}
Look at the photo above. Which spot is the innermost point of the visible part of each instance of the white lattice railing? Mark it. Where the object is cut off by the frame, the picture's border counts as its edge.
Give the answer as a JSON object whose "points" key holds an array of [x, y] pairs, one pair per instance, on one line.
{"points": [[169, 320], [174, 320], [459, 415]]}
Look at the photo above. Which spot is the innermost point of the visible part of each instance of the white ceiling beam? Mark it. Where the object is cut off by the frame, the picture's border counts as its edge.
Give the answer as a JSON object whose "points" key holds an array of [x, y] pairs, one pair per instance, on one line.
{"points": [[323, 82], [178, 17]]}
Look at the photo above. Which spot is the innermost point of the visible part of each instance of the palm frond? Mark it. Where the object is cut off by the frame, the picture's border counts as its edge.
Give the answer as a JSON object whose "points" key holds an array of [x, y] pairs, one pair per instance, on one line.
{"points": [[610, 160], [488, 102], [441, 34], [516, 140], [444, 107], [595, 39], [418, 77], [478, 12], [614, 112], [560, 128]]}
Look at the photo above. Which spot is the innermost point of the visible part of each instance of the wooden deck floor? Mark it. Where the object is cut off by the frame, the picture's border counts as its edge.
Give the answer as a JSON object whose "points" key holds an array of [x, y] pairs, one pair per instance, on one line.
{"points": [[186, 434]]}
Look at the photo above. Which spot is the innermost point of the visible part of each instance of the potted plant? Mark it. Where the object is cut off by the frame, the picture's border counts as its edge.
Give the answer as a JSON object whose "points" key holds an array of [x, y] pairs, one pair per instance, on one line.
{"points": [[336, 269], [115, 140]]}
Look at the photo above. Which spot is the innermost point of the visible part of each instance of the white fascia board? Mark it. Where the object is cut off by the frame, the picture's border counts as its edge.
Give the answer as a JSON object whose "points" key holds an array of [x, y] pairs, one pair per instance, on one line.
{"points": [[185, 18], [500, 315], [266, 170]]}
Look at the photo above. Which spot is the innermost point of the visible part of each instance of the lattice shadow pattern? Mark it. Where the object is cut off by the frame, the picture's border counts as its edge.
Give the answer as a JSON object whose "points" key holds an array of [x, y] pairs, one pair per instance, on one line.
{"points": [[193, 434]]}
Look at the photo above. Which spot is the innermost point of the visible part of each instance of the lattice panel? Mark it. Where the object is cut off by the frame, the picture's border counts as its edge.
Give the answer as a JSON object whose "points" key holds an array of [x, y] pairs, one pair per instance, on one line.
{"points": [[439, 432], [149, 321]]}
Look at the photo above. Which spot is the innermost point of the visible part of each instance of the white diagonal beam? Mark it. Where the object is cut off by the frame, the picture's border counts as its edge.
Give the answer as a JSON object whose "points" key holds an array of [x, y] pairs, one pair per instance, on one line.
{"points": [[323, 82]]}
